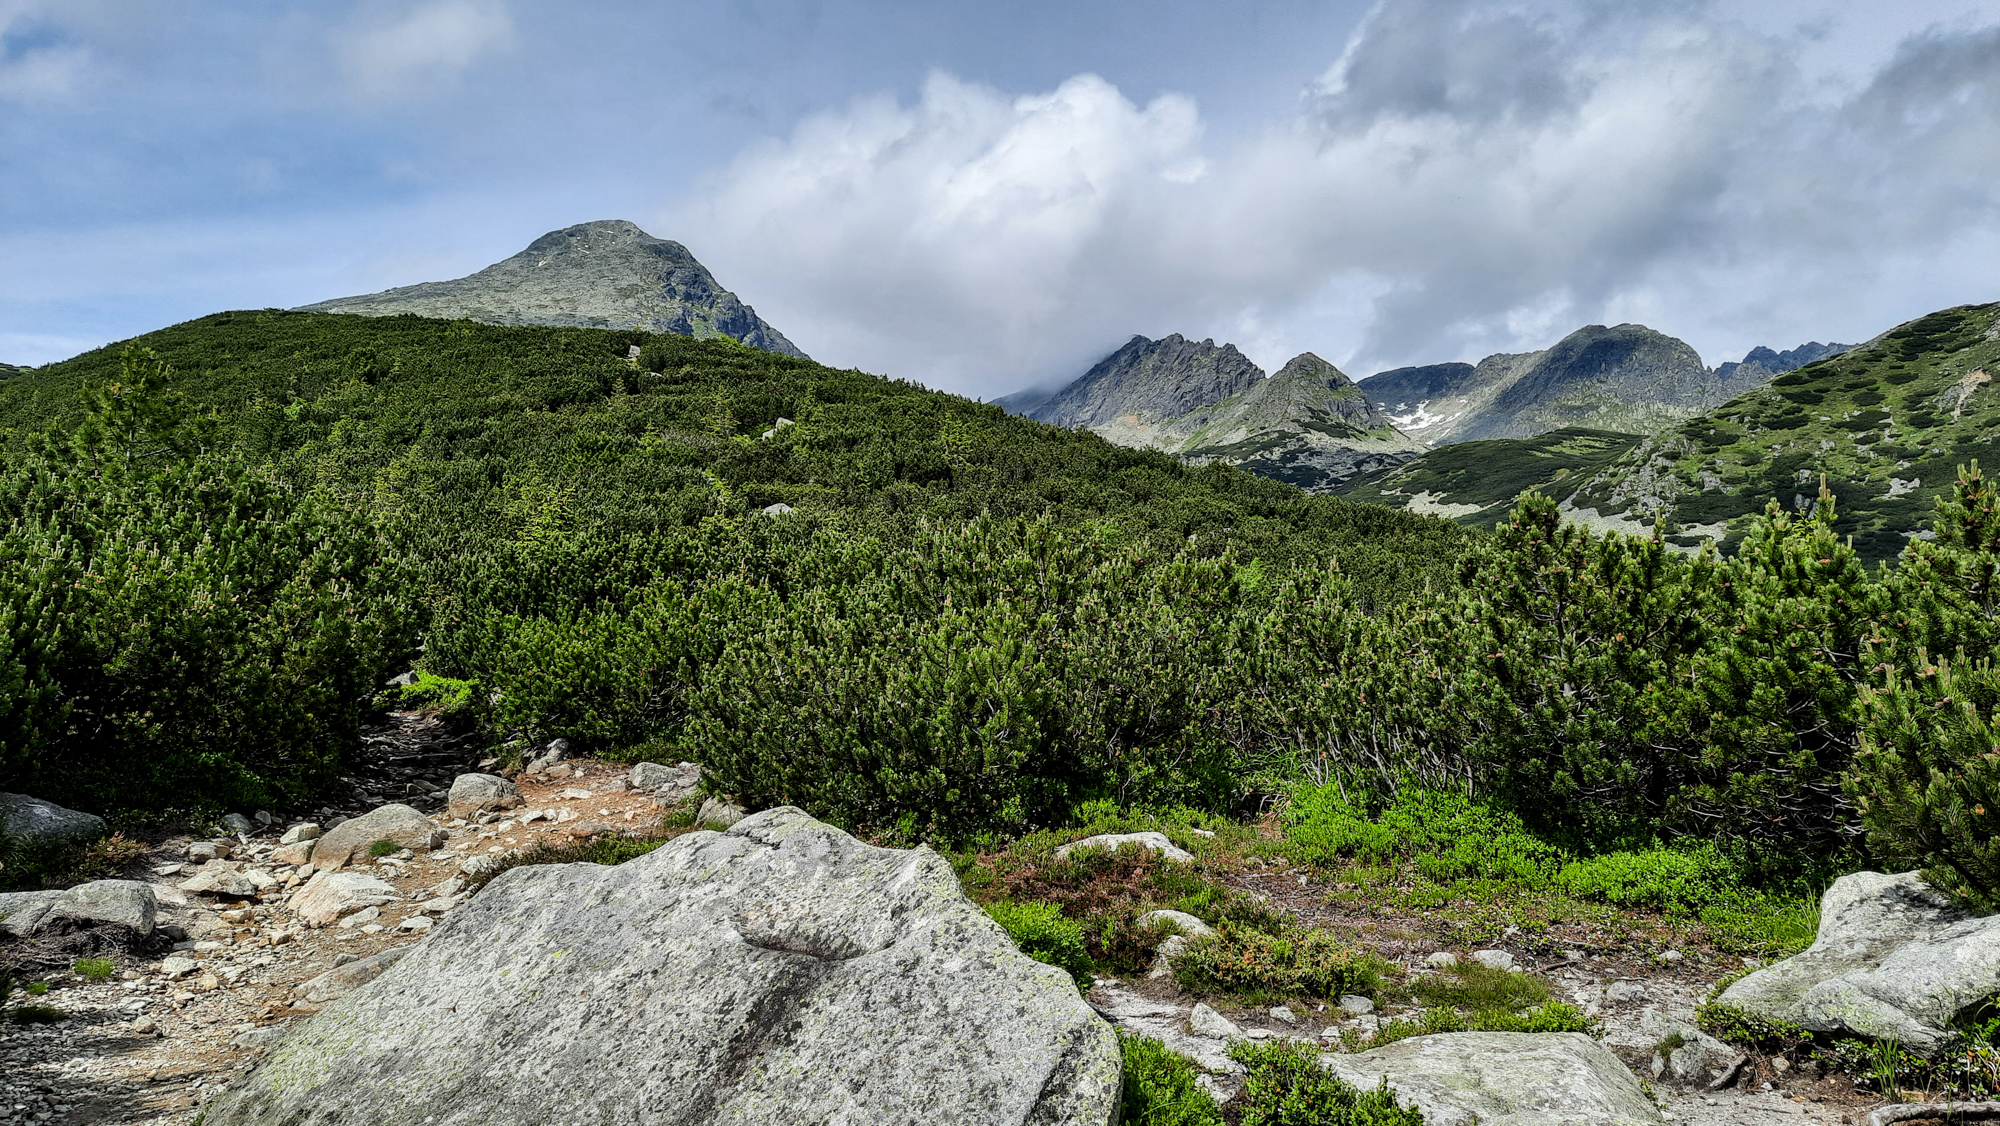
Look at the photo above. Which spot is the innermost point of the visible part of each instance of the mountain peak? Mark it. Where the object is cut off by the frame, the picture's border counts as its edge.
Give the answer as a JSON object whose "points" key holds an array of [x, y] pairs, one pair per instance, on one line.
{"points": [[604, 274], [1149, 381]]}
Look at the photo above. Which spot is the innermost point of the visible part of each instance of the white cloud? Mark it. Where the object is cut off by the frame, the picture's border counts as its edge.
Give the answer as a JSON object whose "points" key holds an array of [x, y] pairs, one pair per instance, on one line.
{"points": [[1466, 178], [42, 71], [399, 50]]}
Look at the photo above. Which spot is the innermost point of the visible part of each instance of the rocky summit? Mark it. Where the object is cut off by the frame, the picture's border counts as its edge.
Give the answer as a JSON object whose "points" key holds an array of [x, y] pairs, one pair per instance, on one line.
{"points": [[1147, 383], [781, 971], [607, 274]]}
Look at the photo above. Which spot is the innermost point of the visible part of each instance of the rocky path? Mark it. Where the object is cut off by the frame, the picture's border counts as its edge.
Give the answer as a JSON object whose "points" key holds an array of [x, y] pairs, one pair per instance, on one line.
{"points": [[167, 1032]]}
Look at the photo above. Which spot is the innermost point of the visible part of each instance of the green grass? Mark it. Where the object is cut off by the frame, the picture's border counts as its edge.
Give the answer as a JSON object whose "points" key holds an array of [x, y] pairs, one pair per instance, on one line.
{"points": [[1042, 933], [95, 969], [1284, 1085], [384, 847], [1256, 966], [1492, 472]]}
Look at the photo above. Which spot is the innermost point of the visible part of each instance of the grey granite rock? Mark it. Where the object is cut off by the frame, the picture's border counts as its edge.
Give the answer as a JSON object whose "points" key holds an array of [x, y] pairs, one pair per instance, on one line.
{"points": [[1504, 1079], [329, 895], [715, 811], [219, 878], [1151, 381], [477, 793], [1894, 959], [351, 839], [1687, 1053], [606, 274], [35, 820], [125, 903], [22, 912], [781, 972]]}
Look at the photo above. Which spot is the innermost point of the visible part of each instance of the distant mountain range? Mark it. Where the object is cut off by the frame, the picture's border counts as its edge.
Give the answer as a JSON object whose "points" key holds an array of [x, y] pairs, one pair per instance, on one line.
{"points": [[1312, 426], [606, 274], [1627, 378]]}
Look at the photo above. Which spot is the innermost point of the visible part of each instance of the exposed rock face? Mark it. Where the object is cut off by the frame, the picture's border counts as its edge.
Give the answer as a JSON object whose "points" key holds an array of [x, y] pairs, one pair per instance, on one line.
{"points": [[352, 838], [1894, 959], [1626, 378], [35, 820], [342, 980], [1149, 382], [607, 274], [1504, 1079], [779, 972]]}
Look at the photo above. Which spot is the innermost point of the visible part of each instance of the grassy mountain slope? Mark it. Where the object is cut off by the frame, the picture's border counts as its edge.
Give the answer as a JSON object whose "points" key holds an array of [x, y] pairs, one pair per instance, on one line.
{"points": [[1476, 483], [483, 431], [1887, 424]]}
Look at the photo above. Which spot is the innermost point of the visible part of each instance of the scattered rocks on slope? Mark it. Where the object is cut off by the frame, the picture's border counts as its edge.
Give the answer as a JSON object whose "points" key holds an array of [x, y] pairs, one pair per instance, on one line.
{"points": [[1155, 841], [780, 970], [1504, 1079], [1894, 959], [36, 821]]}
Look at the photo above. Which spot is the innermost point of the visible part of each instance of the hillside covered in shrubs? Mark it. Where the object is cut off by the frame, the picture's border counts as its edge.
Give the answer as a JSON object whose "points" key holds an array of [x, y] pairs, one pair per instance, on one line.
{"points": [[221, 540]]}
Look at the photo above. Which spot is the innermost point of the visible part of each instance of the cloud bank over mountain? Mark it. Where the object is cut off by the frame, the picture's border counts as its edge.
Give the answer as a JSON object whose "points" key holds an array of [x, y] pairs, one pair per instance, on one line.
{"points": [[1465, 178]]}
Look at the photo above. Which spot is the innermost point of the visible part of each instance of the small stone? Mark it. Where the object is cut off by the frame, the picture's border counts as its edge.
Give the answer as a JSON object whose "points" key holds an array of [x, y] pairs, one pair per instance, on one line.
{"points": [[717, 812], [416, 923], [238, 824], [203, 851], [306, 831], [1441, 960], [1204, 1021], [373, 928], [1671, 956], [449, 887], [206, 982], [1494, 959], [175, 968], [365, 915], [168, 869], [145, 1026], [1284, 1014], [298, 853], [1356, 1004], [479, 865], [574, 794], [1259, 1034], [1625, 991]]}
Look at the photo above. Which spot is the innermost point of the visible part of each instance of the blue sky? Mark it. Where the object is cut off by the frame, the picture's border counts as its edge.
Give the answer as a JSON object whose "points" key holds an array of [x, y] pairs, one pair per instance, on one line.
{"points": [[985, 196]]}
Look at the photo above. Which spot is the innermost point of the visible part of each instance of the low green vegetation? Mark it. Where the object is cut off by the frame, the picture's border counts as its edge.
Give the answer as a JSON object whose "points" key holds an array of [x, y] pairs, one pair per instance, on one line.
{"points": [[1284, 1085], [1492, 474], [1258, 966], [1042, 933], [1160, 1087], [95, 969]]}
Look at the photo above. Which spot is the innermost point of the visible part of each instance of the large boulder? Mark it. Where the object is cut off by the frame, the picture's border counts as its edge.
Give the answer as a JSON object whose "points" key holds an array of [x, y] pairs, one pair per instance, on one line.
{"points": [[668, 783], [1894, 959], [778, 972], [39, 822], [478, 793], [1504, 1079], [352, 838]]}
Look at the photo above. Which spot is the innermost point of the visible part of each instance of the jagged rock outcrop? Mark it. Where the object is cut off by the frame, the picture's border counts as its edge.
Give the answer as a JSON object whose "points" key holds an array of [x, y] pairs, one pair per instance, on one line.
{"points": [[1626, 378], [1894, 959], [779, 972], [606, 274], [1147, 383]]}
